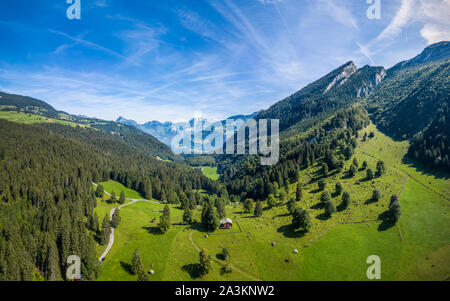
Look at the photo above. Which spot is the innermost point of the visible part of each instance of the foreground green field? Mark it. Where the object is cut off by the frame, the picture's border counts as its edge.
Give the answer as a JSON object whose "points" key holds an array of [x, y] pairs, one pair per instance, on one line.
{"points": [[336, 248]]}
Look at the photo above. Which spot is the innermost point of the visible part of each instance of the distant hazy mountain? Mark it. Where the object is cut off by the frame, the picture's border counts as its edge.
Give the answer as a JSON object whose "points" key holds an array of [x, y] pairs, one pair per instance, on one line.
{"points": [[166, 131]]}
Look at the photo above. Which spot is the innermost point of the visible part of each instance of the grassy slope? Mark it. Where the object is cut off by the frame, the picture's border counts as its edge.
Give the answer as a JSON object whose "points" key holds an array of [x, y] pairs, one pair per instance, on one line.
{"points": [[26, 118], [111, 186], [210, 172], [418, 249]]}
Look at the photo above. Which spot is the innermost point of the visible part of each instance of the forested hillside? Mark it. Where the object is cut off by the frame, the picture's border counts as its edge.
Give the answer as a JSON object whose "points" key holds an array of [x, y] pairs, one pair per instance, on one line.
{"points": [[128, 134], [46, 195], [333, 138], [338, 89], [412, 103]]}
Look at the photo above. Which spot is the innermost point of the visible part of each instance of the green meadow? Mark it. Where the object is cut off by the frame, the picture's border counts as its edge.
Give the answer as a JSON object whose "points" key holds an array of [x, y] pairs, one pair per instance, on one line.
{"points": [[27, 118], [210, 172], [336, 248]]}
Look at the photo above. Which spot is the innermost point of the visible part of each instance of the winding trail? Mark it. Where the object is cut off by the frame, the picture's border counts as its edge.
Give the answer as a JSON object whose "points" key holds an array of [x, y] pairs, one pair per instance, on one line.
{"points": [[409, 175], [111, 236]]}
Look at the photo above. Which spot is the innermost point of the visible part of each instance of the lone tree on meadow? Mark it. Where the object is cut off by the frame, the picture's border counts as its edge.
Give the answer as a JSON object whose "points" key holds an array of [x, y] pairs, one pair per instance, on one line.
{"points": [[322, 184], [164, 221], [210, 218], [376, 195], [221, 208], [122, 198], [113, 198], [325, 170], [99, 191], [381, 169], [248, 205], [136, 263], [258, 209], [271, 201], [187, 216], [142, 276], [339, 188], [355, 162], [106, 230], [325, 197], [352, 171], [394, 209], [205, 262], [369, 174], [346, 200], [364, 165], [301, 220], [116, 218], [298, 193], [291, 205], [330, 208]]}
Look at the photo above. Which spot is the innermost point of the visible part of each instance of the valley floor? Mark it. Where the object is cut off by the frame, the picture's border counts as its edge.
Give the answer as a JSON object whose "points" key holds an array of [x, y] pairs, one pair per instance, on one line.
{"points": [[336, 248]]}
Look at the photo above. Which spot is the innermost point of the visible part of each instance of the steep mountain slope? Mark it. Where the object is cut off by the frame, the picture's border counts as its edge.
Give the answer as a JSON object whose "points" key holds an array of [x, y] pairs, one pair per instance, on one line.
{"points": [[408, 99], [340, 88], [128, 134]]}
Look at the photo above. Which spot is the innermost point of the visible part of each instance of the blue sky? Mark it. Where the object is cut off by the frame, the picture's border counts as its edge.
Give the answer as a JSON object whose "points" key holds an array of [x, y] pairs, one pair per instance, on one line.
{"points": [[173, 60]]}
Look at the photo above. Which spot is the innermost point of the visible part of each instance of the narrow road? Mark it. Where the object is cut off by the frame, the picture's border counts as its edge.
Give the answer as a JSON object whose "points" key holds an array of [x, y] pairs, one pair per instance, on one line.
{"points": [[111, 236]]}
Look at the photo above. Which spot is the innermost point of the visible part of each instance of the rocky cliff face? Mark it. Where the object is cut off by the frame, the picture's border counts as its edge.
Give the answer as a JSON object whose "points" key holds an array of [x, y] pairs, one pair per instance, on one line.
{"points": [[367, 88], [347, 71]]}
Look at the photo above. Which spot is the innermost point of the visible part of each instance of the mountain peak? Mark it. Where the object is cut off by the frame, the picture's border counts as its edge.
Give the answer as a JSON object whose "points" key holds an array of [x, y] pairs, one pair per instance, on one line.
{"points": [[434, 52], [345, 71]]}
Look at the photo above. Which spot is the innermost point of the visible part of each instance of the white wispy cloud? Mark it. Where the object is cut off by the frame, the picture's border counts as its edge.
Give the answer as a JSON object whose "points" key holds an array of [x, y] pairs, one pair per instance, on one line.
{"points": [[337, 10]]}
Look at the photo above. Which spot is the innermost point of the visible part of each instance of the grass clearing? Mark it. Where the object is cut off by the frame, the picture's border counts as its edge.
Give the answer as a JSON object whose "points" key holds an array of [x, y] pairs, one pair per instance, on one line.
{"points": [[113, 186], [210, 172]]}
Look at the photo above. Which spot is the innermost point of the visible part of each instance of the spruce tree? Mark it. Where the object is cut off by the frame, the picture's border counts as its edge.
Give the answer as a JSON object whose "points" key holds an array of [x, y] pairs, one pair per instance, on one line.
{"points": [[136, 264], [106, 230], [122, 198], [258, 209]]}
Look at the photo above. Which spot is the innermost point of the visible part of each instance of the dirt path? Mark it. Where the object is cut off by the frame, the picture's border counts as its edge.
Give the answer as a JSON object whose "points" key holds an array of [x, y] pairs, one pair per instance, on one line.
{"points": [[409, 175], [111, 213], [235, 268]]}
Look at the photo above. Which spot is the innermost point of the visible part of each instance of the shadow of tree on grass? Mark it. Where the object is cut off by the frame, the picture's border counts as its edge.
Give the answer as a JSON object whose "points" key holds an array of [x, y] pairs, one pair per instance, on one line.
{"points": [[192, 269]]}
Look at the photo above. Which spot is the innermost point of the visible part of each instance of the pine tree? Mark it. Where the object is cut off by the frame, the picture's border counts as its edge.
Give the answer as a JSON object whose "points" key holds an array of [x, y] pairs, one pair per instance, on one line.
{"points": [[187, 216], [136, 264], [116, 218], [248, 205], [221, 208], [346, 200], [298, 193], [99, 191], [258, 209], [106, 230], [339, 188], [205, 262], [122, 198], [330, 208], [301, 219], [142, 276], [291, 205], [376, 195]]}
